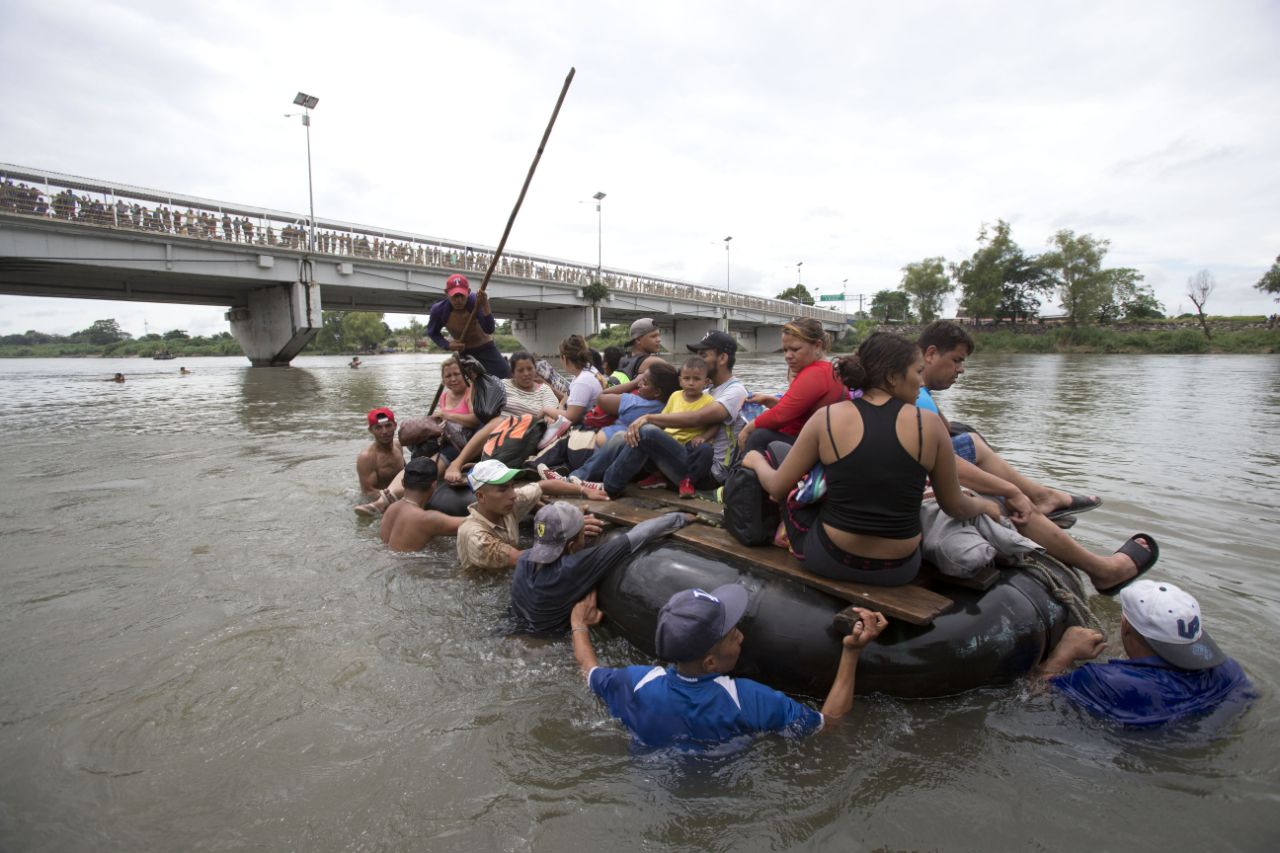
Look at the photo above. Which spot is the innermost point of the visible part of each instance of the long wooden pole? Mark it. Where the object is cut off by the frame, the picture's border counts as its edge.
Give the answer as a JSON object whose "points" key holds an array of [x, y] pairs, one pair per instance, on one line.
{"points": [[493, 263]]}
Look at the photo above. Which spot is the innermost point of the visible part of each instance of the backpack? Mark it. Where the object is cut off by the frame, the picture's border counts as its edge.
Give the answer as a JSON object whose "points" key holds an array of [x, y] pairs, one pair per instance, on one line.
{"points": [[487, 394], [515, 439], [750, 515]]}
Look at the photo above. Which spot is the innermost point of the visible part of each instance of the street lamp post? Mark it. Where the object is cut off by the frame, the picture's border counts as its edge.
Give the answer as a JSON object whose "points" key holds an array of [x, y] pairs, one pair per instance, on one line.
{"points": [[595, 306], [599, 197], [798, 265], [308, 103], [726, 268]]}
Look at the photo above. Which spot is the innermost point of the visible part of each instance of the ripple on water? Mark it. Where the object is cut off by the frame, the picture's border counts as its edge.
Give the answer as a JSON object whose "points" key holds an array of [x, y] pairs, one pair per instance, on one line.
{"points": [[226, 656]]}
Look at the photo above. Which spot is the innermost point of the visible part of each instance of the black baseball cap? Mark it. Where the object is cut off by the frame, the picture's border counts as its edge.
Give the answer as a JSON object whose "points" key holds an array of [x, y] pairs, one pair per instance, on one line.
{"points": [[716, 340]]}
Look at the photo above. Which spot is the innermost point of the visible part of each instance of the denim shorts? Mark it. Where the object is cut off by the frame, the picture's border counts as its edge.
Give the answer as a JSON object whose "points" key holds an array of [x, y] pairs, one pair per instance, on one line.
{"points": [[963, 444]]}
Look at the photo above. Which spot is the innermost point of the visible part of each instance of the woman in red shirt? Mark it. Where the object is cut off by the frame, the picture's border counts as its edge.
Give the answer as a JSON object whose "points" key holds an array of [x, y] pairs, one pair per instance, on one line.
{"points": [[814, 385]]}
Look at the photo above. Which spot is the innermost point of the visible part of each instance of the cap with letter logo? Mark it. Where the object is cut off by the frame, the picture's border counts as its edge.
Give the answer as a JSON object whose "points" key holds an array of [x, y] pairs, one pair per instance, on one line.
{"points": [[1169, 620]]}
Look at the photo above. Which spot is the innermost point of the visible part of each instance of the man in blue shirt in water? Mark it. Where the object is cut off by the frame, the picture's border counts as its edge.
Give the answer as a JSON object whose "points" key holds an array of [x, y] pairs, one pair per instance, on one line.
{"points": [[1174, 669], [693, 704]]}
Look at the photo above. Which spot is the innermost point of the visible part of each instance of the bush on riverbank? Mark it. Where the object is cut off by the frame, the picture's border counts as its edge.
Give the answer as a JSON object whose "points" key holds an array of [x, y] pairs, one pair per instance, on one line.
{"points": [[1100, 340], [123, 349]]}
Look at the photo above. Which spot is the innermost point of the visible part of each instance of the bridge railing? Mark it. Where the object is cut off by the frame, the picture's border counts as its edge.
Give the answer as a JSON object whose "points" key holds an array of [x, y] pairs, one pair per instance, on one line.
{"points": [[50, 195]]}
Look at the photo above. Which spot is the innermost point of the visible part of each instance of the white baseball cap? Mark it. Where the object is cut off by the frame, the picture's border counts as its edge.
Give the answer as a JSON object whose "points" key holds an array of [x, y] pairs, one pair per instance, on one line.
{"points": [[492, 471], [1169, 620]]}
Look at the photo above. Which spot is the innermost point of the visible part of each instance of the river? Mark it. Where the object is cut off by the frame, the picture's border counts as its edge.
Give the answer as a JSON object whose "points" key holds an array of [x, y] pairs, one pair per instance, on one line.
{"points": [[204, 648]]}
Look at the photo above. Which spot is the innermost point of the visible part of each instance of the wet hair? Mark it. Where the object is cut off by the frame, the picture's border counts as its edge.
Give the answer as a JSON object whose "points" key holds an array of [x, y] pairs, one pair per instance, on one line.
{"points": [[809, 330], [421, 473], [665, 378], [444, 365], [519, 356], [881, 356], [695, 362], [596, 359], [945, 336], [574, 350], [612, 358]]}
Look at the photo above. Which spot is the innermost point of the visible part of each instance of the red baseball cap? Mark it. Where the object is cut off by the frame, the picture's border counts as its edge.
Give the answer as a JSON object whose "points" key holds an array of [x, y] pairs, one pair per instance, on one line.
{"points": [[456, 283], [381, 414]]}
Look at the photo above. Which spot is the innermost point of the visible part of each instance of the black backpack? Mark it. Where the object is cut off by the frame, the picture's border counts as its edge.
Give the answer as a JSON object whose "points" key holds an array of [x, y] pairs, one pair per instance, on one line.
{"points": [[750, 515]]}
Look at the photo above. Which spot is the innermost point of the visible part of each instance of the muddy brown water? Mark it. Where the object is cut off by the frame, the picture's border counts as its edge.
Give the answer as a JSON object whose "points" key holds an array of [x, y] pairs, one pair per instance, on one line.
{"points": [[204, 649]]}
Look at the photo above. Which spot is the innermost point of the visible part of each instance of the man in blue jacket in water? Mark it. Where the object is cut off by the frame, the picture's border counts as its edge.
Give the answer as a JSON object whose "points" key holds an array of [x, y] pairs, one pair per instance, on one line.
{"points": [[693, 704], [1174, 669]]}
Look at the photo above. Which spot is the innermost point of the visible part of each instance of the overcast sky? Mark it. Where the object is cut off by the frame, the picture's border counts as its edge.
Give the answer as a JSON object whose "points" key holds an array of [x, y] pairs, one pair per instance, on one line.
{"points": [[855, 137]]}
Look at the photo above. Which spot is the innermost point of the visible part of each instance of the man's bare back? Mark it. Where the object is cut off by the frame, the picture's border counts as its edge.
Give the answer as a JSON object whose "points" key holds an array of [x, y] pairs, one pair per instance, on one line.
{"points": [[408, 527]]}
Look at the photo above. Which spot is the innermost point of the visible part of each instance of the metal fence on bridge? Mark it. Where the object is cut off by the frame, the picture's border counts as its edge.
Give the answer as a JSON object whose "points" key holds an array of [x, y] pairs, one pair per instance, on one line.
{"points": [[50, 195]]}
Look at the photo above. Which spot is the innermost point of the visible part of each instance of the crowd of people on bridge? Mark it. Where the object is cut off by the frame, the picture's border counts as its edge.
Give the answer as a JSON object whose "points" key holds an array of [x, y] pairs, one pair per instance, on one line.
{"points": [[99, 209], [596, 424]]}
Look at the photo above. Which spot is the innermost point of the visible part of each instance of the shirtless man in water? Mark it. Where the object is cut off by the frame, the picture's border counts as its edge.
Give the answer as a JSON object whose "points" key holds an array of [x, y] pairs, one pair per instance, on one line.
{"points": [[407, 526], [378, 464]]}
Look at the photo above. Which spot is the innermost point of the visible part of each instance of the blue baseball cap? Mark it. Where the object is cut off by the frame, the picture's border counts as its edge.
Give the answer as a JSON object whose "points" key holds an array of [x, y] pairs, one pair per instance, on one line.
{"points": [[694, 620]]}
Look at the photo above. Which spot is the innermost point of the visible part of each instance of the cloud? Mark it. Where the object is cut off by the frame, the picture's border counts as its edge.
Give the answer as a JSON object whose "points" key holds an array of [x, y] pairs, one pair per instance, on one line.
{"points": [[855, 137]]}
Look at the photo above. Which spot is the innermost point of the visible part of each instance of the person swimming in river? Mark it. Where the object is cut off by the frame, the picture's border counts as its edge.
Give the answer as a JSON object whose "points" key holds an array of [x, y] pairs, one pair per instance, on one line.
{"points": [[119, 377], [355, 362]]}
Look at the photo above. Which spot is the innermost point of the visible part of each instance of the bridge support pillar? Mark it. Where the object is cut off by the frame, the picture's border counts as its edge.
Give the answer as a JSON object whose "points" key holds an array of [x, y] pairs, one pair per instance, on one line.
{"points": [[277, 322], [763, 339], [690, 331], [542, 334]]}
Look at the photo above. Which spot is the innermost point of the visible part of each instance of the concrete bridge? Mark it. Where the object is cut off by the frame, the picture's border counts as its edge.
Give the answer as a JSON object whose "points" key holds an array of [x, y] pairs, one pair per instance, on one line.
{"points": [[61, 235]]}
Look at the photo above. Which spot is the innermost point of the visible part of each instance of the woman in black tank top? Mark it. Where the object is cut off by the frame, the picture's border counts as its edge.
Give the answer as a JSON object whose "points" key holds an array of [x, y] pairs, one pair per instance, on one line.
{"points": [[876, 451]]}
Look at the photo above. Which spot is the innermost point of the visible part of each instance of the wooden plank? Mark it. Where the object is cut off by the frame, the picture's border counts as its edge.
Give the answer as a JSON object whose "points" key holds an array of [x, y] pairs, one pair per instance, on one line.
{"points": [[910, 603], [672, 499]]}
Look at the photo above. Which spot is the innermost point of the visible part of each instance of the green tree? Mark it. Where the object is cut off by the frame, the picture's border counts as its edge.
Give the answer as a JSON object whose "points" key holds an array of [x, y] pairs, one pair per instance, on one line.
{"points": [[1142, 305], [330, 335], [796, 293], [176, 335], [1075, 267], [999, 280], [363, 330], [101, 332], [1124, 283], [927, 284], [891, 305], [1270, 281], [1199, 288]]}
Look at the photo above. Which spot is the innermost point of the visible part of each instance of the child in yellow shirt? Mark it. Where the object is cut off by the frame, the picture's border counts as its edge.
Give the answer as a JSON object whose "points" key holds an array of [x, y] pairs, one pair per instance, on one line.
{"points": [[691, 396]]}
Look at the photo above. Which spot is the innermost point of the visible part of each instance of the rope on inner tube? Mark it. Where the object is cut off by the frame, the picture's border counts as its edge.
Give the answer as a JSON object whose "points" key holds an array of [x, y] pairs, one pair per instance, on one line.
{"points": [[1065, 585]]}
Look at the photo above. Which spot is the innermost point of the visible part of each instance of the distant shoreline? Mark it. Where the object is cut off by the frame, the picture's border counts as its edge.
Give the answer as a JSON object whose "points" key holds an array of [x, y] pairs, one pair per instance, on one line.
{"points": [[1230, 336]]}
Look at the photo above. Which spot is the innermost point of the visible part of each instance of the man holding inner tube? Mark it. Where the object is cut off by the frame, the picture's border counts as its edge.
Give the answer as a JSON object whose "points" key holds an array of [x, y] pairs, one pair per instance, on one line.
{"points": [[1173, 667], [693, 704]]}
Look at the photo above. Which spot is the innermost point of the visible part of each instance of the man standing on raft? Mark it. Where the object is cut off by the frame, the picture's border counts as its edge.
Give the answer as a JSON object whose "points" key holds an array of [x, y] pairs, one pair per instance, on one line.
{"points": [[467, 337]]}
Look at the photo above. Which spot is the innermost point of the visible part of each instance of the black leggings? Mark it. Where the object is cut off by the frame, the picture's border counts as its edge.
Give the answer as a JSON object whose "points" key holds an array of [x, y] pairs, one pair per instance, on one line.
{"points": [[489, 355], [762, 438], [826, 558]]}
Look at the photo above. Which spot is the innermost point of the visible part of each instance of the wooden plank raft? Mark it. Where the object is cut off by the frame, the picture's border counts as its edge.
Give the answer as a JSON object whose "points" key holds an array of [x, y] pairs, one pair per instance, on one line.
{"points": [[981, 580], [910, 603]]}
